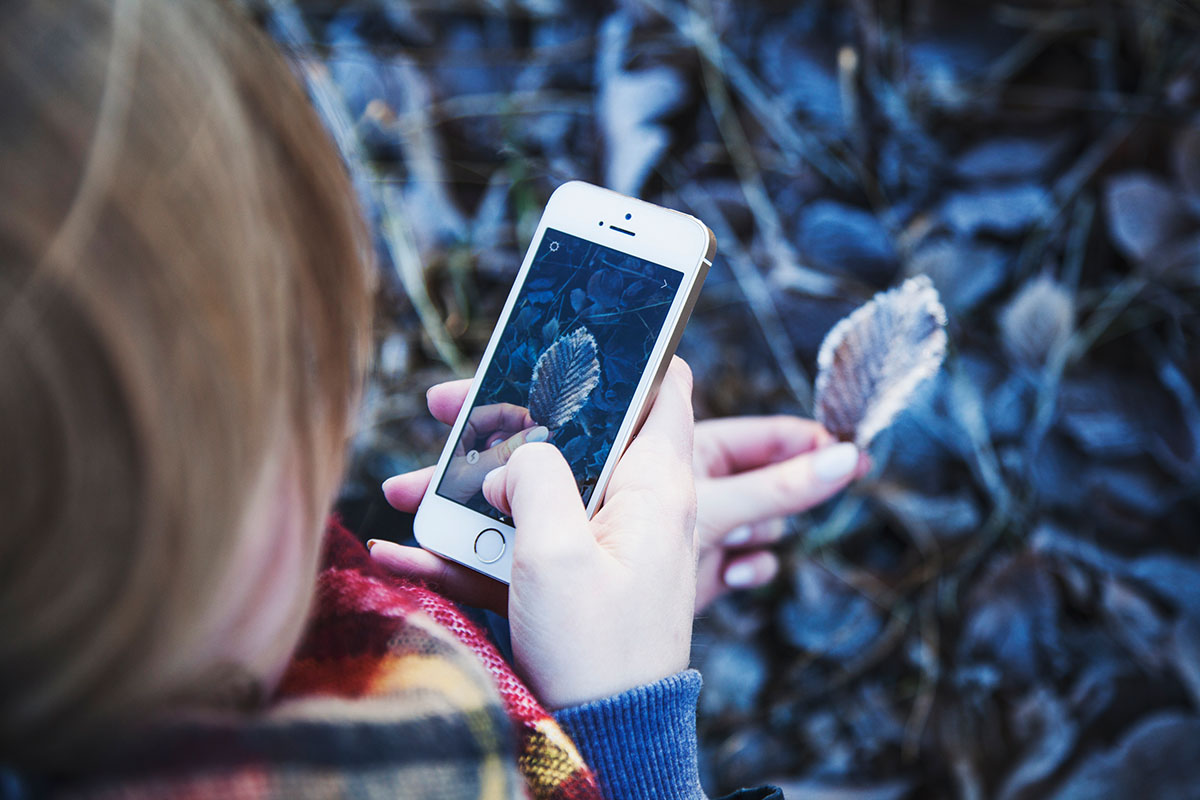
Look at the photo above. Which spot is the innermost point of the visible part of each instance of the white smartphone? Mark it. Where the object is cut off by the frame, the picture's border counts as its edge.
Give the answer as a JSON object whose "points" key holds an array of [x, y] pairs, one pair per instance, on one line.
{"points": [[580, 349]]}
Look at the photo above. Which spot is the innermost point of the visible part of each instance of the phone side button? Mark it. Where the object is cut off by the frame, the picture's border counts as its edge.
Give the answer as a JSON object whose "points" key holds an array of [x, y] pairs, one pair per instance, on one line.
{"points": [[489, 546]]}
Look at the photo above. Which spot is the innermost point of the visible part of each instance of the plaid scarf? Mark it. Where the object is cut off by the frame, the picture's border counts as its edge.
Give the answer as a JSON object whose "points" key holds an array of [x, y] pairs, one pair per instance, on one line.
{"points": [[359, 606], [393, 692]]}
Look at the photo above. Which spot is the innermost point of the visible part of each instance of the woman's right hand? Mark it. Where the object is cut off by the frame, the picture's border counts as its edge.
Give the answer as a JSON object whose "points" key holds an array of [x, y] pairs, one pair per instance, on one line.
{"points": [[596, 606], [490, 437]]}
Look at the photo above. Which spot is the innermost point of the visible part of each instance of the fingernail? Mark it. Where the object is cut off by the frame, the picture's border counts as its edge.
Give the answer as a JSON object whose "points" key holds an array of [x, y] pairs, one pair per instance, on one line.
{"points": [[539, 434], [832, 464], [738, 536], [371, 543], [741, 576], [384, 485]]}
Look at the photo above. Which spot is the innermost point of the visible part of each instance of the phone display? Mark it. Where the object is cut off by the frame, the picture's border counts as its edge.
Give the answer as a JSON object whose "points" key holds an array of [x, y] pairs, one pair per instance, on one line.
{"points": [[579, 351], [566, 366]]}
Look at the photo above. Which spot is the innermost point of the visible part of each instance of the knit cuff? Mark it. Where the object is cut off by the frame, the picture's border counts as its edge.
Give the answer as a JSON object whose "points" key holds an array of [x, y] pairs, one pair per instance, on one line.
{"points": [[641, 743]]}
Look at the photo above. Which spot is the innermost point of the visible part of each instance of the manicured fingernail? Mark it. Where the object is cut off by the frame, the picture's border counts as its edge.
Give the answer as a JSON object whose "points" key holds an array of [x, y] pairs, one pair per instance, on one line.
{"points": [[738, 536], [539, 434], [741, 576], [384, 485], [832, 464], [371, 543]]}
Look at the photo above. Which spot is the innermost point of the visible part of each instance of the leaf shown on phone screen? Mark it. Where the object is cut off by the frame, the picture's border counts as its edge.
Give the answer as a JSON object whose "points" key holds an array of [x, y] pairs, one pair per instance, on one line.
{"points": [[563, 377], [873, 360]]}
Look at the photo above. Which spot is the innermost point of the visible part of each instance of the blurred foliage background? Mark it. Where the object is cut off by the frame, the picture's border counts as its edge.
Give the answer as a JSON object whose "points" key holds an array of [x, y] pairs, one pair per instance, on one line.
{"points": [[1009, 606]]}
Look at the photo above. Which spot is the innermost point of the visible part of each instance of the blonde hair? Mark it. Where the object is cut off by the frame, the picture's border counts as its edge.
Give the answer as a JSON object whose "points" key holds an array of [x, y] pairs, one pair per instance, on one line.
{"points": [[184, 295]]}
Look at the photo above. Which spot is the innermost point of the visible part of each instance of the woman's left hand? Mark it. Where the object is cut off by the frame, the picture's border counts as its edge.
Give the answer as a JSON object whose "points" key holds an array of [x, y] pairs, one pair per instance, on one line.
{"points": [[751, 473]]}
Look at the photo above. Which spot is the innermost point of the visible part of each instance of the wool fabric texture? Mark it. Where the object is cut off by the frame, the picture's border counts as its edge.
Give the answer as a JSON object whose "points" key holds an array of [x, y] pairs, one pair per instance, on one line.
{"points": [[357, 598], [393, 692]]}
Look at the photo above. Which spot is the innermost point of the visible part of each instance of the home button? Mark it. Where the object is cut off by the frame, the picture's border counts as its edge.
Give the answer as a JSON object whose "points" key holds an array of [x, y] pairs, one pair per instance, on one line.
{"points": [[489, 546]]}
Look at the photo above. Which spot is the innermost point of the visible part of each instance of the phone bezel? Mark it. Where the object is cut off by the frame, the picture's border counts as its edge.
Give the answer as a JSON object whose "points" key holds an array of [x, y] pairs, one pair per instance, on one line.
{"points": [[663, 236]]}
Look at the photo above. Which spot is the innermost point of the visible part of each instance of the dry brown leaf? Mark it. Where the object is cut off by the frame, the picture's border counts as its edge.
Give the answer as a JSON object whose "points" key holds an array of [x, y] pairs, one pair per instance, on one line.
{"points": [[872, 361]]}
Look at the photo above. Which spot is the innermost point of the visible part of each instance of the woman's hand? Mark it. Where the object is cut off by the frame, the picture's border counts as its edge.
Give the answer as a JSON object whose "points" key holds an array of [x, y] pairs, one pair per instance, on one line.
{"points": [[595, 607], [490, 437], [751, 472]]}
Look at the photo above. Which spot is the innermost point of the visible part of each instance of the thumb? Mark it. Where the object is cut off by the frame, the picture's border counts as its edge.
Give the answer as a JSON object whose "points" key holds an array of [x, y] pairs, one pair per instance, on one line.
{"points": [[536, 488], [498, 454]]}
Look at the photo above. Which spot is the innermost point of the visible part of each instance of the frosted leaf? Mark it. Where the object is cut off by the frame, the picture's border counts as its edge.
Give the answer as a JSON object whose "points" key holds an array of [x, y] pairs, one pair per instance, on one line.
{"points": [[1004, 210], [1144, 213], [563, 377], [1037, 321], [873, 360], [632, 105]]}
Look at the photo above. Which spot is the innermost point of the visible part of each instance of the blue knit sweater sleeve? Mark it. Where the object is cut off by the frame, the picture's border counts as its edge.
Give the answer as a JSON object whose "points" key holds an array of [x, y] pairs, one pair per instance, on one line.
{"points": [[641, 743]]}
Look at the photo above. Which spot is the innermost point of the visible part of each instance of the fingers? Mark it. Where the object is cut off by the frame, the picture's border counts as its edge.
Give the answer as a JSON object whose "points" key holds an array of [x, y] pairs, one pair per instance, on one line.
{"points": [[463, 478], [486, 420], [499, 454], [657, 468], [536, 488], [404, 492], [452, 580], [741, 561], [736, 444], [778, 490], [754, 569], [671, 421], [758, 534], [445, 400]]}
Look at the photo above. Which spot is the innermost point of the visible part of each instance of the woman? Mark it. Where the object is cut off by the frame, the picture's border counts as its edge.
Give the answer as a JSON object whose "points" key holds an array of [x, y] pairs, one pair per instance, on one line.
{"points": [[184, 306]]}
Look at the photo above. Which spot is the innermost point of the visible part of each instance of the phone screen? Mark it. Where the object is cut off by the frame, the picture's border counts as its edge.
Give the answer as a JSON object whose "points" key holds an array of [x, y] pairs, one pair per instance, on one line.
{"points": [[567, 364]]}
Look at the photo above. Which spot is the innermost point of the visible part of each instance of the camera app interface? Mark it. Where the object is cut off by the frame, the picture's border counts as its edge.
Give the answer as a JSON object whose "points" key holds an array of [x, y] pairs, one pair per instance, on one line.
{"points": [[567, 364]]}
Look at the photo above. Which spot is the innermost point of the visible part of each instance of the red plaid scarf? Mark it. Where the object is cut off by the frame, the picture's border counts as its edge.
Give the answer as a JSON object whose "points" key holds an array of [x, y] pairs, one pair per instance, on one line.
{"points": [[392, 693], [359, 606]]}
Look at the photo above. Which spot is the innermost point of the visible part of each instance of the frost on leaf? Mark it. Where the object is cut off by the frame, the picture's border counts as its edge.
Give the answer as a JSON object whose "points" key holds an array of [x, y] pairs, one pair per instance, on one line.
{"points": [[873, 360], [1038, 321], [563, 377]]}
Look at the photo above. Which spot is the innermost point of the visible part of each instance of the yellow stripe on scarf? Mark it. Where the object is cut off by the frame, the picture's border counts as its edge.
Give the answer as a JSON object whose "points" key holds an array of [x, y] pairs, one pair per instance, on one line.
{"points": [[439, 675]]}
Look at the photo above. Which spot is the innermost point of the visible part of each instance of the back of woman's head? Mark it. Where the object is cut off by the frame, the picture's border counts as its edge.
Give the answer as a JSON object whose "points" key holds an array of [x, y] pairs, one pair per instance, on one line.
{"points": [[183, 305]]}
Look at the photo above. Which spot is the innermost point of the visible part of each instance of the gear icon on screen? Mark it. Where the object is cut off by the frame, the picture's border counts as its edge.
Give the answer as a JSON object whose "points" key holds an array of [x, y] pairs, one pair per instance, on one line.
{"points": [[553, 246]]}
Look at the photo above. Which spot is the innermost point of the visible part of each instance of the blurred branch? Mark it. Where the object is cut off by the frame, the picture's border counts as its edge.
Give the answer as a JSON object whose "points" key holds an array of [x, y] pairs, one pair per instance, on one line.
{"points": [[750, 177], [792, 139], [496, 104], [290, 28], [756, 292], [929, 664]]}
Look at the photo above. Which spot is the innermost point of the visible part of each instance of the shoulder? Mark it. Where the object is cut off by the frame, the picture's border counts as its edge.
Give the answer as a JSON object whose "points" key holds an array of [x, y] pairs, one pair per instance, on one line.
{"points": [[379, 700]]}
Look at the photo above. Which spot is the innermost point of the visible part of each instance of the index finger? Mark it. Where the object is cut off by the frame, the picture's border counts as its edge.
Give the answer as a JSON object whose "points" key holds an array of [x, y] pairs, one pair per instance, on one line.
{"points": [[670, 421], [736, 444], [486, 420], [445, 400]]}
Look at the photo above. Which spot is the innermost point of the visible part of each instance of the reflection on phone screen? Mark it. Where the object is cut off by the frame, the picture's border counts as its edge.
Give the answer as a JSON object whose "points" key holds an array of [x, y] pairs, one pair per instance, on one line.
{"points": [[567, 363]]}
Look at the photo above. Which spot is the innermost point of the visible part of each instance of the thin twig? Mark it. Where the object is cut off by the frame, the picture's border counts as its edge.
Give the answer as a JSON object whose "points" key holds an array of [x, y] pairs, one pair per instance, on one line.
{"points": [[397, 234], [792, 139], [758, 295], [930, 670]]}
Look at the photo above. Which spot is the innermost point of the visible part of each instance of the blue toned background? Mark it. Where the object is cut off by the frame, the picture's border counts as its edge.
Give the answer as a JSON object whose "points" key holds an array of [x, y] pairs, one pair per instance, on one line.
{"points": [[621, 300], [1008, 606]]}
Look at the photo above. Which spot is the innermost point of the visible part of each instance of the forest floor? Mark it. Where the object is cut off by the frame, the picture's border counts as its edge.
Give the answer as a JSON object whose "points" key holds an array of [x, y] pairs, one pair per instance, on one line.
{"points": [[1009, 605]]}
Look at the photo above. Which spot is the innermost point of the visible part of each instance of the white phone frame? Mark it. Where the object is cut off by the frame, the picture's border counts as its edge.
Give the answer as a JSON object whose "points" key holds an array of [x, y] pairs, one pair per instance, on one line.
{"points": [[653, 233]]}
